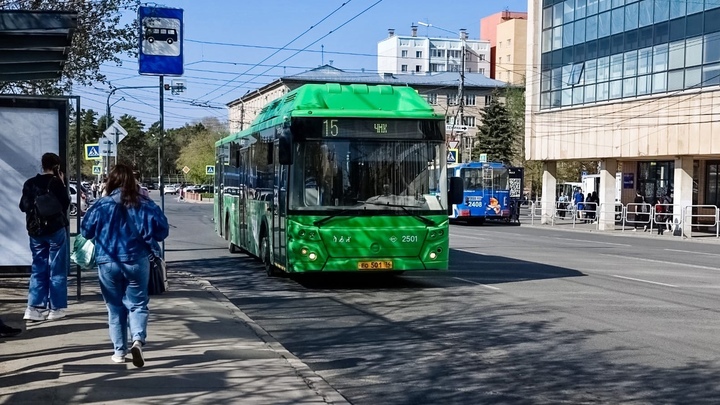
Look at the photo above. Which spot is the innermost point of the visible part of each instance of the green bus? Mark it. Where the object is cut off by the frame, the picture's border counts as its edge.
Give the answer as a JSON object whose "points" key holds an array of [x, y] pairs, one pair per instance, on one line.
{"points": [[338, 178]]}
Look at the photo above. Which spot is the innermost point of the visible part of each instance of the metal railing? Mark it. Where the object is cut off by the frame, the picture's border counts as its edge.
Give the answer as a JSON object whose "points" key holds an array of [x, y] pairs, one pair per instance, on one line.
{"points": [[673, 216], [690, 212]]}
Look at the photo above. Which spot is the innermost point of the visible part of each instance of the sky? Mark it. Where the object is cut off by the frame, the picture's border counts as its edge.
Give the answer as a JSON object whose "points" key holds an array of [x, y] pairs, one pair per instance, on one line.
{"points": [[235, 46]]}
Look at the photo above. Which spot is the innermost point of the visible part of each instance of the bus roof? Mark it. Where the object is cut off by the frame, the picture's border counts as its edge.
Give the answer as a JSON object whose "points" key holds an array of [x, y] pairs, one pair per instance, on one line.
{"points": [[342, 101], [476, 165]]}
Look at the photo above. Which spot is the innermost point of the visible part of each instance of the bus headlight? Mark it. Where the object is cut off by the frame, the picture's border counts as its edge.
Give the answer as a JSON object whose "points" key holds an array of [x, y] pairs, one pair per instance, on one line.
{"points": [[312, 256], [303, 251], [433, 255]]}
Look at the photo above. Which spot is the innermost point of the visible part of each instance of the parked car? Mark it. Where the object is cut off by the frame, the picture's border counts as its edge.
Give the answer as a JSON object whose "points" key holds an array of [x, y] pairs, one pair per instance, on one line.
{"points": [[73, 201], [169, 189]]}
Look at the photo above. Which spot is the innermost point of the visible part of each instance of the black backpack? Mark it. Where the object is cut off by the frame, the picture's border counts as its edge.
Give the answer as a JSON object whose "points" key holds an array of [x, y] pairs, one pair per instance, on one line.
{"points": [[45, 207]]}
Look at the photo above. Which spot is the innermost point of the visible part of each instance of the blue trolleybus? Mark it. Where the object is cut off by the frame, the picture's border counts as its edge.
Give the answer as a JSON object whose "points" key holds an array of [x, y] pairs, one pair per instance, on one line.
{"points": [[492, 191]]}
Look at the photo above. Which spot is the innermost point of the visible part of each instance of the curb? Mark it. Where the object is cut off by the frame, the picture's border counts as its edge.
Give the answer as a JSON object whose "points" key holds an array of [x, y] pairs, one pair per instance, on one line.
{"points": [[315, 382]]}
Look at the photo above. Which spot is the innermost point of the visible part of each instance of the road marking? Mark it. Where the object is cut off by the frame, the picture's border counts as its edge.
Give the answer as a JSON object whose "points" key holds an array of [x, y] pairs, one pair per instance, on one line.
{"points": [[593, 242], [695, 253], [697, 266], [645, 281], [476, 283]]}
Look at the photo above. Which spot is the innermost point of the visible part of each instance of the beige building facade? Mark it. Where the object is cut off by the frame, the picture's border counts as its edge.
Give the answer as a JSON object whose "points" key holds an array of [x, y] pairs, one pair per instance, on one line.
{"points": [[511, 51], [635, 87]]}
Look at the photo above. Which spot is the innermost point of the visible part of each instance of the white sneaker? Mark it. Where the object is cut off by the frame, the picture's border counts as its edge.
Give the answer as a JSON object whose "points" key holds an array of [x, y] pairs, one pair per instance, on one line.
{"points": [[137, 354], [118, 359], [57, 314], [34, 314]]}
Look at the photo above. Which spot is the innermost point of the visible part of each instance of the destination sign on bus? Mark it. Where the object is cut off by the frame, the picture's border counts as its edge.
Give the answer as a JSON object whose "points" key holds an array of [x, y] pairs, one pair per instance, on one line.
{"points": [[367, 128]]}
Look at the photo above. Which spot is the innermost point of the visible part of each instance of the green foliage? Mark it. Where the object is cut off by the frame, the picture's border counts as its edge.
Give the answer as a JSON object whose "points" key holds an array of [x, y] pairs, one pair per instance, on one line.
{"points": [[496, 135], [99, 38], [199, 148]]}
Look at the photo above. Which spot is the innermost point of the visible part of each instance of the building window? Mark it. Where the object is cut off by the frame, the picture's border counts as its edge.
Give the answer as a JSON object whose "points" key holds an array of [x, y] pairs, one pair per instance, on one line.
{"points": [[508, 59], [482, 57], [469, 121], [500, 59], [403, 68], [403, 53], [432, 98], [575, 74], [481, 71], [488, 99], [418, 54], [452, 99], [509, 42], [469, 99], [418, 68]]}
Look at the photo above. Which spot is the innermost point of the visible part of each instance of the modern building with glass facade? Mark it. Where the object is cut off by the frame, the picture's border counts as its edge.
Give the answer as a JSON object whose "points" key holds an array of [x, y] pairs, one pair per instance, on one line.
{"points": [[634, 82]]}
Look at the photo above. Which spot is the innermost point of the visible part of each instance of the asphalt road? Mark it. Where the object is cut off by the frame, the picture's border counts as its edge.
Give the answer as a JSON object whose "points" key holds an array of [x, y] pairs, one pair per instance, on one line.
{"points": [[525, 315]]}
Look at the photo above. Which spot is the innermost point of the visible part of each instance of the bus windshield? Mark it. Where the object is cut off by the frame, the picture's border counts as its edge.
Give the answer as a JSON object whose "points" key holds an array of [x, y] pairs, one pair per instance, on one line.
{"points": [[486, 178], [366, 175]]}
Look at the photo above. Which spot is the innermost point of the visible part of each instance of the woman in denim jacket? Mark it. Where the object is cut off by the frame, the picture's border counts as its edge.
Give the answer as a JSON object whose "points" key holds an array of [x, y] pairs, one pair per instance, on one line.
{"points": [[126, 228]]}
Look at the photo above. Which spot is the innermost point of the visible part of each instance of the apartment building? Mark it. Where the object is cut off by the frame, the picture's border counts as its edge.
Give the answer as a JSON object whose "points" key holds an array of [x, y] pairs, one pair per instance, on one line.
{"points": [[507, 33], [413, 54], [632, 84], [440, 90]]}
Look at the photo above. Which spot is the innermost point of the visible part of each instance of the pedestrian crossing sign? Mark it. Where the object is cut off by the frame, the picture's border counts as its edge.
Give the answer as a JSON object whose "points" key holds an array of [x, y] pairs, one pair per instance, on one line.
{"points": [[452, 156], [97, 169], [92, 151], [210, 170]]}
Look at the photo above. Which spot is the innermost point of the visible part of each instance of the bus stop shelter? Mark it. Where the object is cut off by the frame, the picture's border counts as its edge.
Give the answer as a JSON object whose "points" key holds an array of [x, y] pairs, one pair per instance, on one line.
{"points": [[34, 45]]}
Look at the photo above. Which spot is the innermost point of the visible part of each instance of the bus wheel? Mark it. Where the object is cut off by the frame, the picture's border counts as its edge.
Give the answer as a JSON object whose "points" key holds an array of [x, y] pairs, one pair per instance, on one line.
{"points": [[265, 255], [151, 39], [169, 41], [233, 248]]}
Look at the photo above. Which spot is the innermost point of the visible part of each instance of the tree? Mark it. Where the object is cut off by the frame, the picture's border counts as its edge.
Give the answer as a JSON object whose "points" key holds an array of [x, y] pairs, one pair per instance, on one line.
{"points": [[99, 38], [496, 135], [200, 151]]}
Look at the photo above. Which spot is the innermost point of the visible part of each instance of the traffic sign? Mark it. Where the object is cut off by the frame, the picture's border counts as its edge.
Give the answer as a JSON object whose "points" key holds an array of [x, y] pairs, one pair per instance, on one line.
{"points": [[186, 170], [92, 151], [453, 144], [115, 132], [210, 170], [452, 156], [97, 169], [107, 147], [483, 157], [161, 41]]}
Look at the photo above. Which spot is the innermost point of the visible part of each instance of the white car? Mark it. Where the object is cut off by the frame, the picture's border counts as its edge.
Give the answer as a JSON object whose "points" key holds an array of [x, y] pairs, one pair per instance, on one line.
{"points": [[170, 189], [73, 201]]}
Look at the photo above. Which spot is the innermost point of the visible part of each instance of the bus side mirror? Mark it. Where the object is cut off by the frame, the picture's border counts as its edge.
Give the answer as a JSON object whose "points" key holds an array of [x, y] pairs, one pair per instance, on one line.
{"points": [[285, 147], [455, 193]]}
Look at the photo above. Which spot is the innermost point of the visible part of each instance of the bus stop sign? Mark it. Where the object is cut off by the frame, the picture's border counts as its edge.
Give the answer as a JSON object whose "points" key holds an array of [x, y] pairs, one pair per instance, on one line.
{"points": [[161, 41]]}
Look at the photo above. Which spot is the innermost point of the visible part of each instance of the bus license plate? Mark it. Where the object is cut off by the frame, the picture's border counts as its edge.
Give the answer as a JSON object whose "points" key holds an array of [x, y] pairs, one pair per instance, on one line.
{"points": [[376, 265]]}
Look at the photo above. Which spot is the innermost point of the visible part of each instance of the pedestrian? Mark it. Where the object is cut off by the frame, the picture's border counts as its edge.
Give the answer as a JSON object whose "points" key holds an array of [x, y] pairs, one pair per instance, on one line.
{"points": [[94, 189], [7, 331], [660, 216], [578, 200], [49, 244], [126, 228]]}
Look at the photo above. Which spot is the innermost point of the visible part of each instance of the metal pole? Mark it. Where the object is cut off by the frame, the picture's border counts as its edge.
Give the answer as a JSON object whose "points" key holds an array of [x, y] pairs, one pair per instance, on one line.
{"points": [[78, 152], [461, 96], [160, 151]]}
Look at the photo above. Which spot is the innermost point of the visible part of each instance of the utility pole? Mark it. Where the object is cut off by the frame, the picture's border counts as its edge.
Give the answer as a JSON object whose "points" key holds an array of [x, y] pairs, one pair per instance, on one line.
{"points": [[461, 95]]}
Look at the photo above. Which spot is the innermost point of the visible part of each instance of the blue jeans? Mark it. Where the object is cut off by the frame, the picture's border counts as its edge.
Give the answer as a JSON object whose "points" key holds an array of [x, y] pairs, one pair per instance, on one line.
{"points": [[124, 287], [50, 265]]}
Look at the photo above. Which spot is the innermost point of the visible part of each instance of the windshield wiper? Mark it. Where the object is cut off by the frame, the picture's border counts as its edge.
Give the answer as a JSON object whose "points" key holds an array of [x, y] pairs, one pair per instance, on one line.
{"points": [[323, 221], [424, 220]]}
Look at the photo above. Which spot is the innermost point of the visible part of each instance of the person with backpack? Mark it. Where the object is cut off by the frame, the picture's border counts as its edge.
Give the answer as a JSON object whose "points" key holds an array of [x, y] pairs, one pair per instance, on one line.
{"points": [[45, 202]]}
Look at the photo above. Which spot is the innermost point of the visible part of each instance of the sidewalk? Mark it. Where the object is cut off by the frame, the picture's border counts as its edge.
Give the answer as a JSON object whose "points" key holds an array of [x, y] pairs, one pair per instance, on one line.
{"points": [[200, 350]]}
